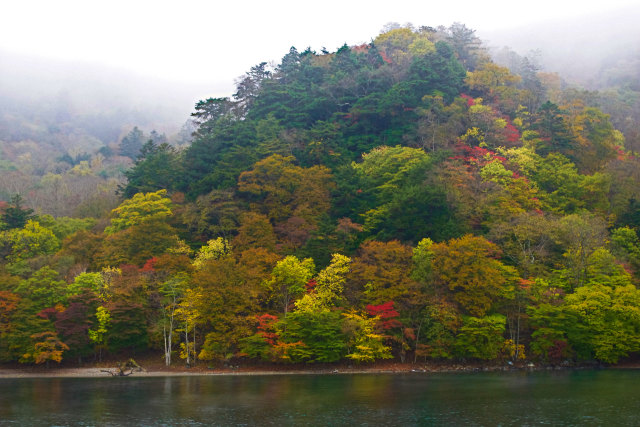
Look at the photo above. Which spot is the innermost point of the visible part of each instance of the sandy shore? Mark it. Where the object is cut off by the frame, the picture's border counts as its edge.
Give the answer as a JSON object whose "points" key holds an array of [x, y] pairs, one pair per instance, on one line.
{"points": [[100, 372], [162, 371], [93, 373]]}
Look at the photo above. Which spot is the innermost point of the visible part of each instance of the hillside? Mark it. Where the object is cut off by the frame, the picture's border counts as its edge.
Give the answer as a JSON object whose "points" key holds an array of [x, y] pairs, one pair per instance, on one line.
{"points": [[405, 199], [54, 115]]}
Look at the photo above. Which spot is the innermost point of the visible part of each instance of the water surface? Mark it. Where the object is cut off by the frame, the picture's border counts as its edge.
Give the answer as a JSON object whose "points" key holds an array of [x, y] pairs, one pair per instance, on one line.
{"points": [[607, 397]]}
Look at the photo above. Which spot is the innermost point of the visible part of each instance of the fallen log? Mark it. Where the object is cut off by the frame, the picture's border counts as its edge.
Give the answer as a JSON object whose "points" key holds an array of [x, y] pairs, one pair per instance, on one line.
{"points": [[130, 365]]}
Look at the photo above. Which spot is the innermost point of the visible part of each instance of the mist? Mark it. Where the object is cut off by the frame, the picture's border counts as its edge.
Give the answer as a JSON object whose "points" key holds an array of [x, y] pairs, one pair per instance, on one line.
{"points": [[104, 102], [80, 106], [583, 50]]}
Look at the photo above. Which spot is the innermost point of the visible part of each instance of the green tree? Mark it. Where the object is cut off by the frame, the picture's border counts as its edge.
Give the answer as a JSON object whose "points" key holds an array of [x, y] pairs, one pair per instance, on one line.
{"points": [[157, 167], [288, 280], [99, 334], [140, 208], [30, 241], [318, 334], [15, 216], [43, 288], [481, 338], [581, 235], [329, 286], [132, 143], [213, 250], [465, 43], [608, 321]]}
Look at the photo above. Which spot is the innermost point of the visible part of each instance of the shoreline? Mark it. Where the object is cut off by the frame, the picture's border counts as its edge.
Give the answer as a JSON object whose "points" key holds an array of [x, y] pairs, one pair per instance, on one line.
{"points": [[99, 372]]}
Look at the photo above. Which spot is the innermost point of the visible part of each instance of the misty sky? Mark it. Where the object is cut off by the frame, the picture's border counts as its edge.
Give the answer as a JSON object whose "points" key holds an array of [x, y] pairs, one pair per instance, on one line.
{"points": [[214, 42]]}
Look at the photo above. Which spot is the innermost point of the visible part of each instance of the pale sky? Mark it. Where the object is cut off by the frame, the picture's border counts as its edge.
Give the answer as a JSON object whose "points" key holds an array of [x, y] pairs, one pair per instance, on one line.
{"points": [[198, 41]]}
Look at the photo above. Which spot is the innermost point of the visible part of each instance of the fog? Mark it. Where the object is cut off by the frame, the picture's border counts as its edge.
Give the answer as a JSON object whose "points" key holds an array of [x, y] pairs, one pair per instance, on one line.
{"points": [[583, 49], [42, 88], [588, 48]]}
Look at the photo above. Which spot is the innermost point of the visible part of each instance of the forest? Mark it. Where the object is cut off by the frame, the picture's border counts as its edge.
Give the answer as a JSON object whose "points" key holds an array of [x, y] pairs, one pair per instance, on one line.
{"points": [[412, 198]]}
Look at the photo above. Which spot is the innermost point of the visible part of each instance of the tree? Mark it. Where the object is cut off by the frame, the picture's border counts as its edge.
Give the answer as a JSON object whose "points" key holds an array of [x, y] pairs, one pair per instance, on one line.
{"points": [[224, 302], [47, 347], [255, 231], [526, 241], [288, 280], [99, 334], [132, 143], [610, 318], [381, 273], [481, 338], [138, 243], [319, 333], [551, 125], [87, 283], [156, 167], [329, 286], [496, 84], [172, 292], [363, 344], [140, 208], [581, 235], [8, 305], [248, 87], [15, 216], [625, 245], [72, 324], [30, 241], [392, 193], [215, 214], [468, 270], [282, 190], [465, 44], [43, 288], [213, 250], [128, 328]]}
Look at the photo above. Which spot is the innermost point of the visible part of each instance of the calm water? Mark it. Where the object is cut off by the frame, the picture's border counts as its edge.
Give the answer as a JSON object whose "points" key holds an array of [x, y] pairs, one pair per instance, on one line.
{"points": [[606, 398]]}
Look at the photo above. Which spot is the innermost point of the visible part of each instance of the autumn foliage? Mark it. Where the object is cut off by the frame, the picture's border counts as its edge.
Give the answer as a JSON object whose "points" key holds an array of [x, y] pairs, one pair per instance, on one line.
{"points": [[407, 198]]}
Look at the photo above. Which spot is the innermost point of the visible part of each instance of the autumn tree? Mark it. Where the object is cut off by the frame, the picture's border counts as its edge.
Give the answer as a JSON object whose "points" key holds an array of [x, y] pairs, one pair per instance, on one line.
{"points": [[467, 270], [224, 304], [282, 191]]}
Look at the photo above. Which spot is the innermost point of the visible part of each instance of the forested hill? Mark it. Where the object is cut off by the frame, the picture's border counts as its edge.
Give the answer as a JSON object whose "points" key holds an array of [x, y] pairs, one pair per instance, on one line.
{"points": [[407, 198]]}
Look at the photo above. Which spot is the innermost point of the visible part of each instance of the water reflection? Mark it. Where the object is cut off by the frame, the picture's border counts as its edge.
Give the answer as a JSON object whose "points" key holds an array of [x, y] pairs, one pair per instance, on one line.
{"points": [[565, 398]]}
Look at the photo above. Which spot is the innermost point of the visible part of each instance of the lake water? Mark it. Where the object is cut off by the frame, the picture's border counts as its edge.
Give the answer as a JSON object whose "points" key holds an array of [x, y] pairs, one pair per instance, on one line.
{"points": [[559, 398]]}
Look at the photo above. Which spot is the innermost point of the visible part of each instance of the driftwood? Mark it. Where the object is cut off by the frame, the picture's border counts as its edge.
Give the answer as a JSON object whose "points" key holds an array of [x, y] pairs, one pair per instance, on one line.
{"points": [[130, 365]]}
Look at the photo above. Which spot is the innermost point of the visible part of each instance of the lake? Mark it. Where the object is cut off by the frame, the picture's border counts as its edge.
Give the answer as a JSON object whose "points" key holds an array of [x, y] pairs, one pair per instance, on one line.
{"points": [[558, 398]]}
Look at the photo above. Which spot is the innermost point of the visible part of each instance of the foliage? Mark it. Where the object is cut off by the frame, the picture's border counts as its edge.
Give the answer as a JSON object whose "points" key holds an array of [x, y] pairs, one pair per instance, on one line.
{"points": [[363, 343], [320, 335], [47, 347], [214, 249], [481, 338], [30, 241], [405, 198], [469, 269], [288, 280], [140, 208]]}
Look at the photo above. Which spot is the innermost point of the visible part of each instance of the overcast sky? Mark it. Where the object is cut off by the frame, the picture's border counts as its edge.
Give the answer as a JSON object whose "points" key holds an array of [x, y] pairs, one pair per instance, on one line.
{"points": [[209, 42]]}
